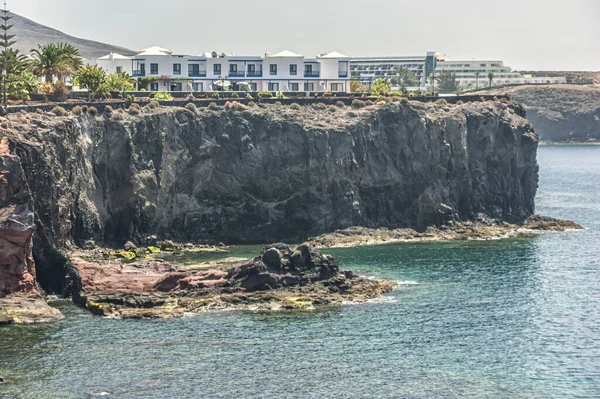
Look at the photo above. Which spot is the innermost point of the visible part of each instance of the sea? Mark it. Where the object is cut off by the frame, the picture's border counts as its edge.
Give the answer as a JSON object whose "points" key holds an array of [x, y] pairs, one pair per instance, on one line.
{"points": [[512, 318]]}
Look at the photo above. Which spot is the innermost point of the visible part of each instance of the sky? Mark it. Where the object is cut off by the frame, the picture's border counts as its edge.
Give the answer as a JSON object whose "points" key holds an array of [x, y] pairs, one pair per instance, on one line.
{"points": [[525, 34]]}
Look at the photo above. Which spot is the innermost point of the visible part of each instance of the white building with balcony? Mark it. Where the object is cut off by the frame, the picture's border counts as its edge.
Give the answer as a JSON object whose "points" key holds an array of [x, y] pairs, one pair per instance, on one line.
{"points": [[285, 71]]}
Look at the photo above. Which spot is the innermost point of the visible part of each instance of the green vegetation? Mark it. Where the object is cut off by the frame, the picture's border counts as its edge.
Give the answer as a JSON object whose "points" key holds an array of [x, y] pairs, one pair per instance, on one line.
{"points": [[380, 87], [60, 60], [356, 86], [93, 78], [161, 96], [235, 95], [328, 94], [119, 82], [447, 82], [265, 94], [405, 78], [191, 107]]}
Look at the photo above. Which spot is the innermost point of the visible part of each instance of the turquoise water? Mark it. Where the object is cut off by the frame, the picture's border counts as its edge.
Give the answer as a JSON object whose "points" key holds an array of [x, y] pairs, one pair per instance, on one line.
{"points": [[501, 319]]}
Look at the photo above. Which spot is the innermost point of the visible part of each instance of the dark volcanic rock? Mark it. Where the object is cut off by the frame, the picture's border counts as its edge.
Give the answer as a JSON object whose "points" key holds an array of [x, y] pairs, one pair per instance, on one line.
{"points": [[281, 266], [268, 174]]}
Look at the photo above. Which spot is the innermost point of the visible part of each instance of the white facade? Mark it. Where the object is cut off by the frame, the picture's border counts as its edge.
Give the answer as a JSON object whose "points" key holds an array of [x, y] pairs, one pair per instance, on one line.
{"points": [[284, 71], [475, 74], [470, 74]]}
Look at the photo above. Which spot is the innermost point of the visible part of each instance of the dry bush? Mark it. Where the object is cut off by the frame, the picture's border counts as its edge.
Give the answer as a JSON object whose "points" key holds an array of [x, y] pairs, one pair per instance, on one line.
{"points": [[59, 111]]}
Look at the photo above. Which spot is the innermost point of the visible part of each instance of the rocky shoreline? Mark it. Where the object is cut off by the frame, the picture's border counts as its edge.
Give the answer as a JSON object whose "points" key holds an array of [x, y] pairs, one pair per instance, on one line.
{"points": [[481, 229]]}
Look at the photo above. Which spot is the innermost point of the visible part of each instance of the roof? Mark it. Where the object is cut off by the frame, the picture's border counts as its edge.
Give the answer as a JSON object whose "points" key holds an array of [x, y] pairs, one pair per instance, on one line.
{"points": [[155, 50], [114, 56], [286, 54], [333, 54]]}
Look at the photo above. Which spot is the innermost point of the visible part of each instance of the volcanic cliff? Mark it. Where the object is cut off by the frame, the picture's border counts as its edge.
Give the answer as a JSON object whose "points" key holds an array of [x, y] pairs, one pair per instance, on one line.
{"points": [[263, 174]]}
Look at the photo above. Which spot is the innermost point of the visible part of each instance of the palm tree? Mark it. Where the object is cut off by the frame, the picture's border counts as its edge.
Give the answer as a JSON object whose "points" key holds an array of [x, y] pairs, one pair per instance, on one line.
{"points": [[15, 63], [477, 79], [491, 77], [60, 60]]}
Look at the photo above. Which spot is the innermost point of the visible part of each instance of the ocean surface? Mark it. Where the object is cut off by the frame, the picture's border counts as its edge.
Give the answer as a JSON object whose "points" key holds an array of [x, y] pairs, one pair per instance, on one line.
{"points": [[515, 318]]}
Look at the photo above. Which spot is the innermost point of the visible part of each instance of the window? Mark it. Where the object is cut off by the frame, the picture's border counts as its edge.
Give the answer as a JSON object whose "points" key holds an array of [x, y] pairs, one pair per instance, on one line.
{"points": [[252, 68], [293, 86], [199, 87], [273, 69], [308, 68], [309, 87], [176, 69], [233, 68], [337, 87], [119, 69], [293, 69], [153, 69], [154, 86], [273, 86], [253, 86], [217, 69], [194, 69]]}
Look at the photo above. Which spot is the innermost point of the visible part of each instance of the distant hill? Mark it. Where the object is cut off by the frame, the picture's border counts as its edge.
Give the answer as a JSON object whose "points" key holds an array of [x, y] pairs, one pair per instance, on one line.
{"points": [[30, 34]]}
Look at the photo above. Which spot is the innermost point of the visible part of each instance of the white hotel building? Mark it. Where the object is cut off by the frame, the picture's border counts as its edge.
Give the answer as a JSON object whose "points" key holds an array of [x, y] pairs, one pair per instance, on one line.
{"points": [[468, 73], [285, 71]]}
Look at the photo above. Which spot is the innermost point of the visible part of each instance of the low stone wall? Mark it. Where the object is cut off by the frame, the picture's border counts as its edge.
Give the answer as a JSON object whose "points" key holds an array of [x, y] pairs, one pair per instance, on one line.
{"points": [[204, 102]]}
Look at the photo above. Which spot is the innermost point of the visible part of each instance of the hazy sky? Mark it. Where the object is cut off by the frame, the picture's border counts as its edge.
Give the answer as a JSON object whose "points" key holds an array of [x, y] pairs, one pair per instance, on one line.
{"points": [[526, 34]]}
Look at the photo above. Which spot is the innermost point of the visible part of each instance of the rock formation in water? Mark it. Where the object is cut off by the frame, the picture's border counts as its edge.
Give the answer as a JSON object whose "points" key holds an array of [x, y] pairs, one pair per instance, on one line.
{"points": [[561, 113], [265, 174]]}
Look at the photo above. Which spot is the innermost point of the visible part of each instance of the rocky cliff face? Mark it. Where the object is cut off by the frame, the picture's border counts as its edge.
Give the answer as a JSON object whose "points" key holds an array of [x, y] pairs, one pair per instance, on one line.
{"points": [[268, 173], [562, 113]]}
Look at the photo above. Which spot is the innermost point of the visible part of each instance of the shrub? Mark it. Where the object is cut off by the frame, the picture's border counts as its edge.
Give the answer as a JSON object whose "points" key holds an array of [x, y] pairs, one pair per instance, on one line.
{"points": [[381, 102], [352, 114], [395, 94], [441, 101], [161, 95], [59, 111], [278, 103], [215, 95], [142, 89], [39, 111], [328, 94], [153, 105], [60, 88], [235, 106], [482, 99], [134, 111], [265, 94], [92, 111], [358, 104], [332, 108], [460, 102], [108, 109], [213, 106], [319, 106], [369, 102], [117, 116], [76, 110], [295, 106], [191, 107], [251, 104], [130, 98], [404, 100], [235, 95], [340, 104], [84, 109], [135, 105]]}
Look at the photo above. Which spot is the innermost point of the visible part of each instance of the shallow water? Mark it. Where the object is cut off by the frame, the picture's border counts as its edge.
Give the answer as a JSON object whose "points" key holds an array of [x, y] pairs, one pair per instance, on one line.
{"points": [[501, 319]]}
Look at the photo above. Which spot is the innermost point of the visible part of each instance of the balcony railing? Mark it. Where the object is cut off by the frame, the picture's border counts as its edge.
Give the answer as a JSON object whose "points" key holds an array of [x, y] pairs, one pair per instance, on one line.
{"points": [[197, 74], [138, 73], [313, 74], [342, 74], [236, 74], [255, 74]]}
